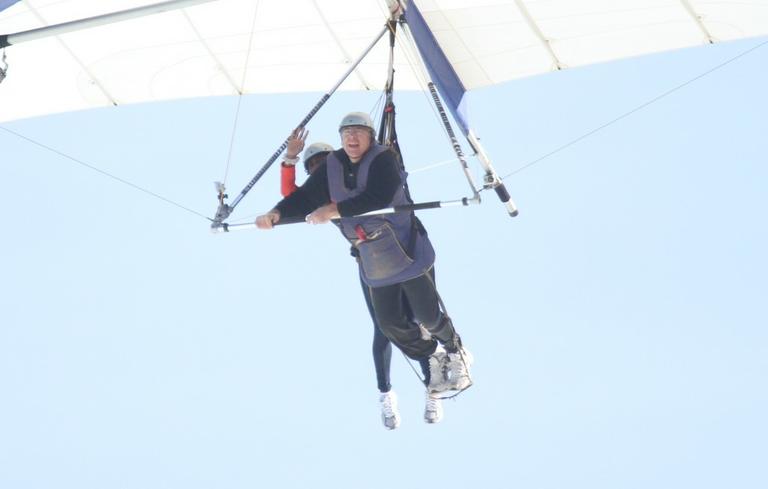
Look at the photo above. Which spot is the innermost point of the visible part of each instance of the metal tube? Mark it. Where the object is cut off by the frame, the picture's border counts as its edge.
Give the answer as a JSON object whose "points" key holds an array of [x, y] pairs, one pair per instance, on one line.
{"points": [[443, 116], [492, 179], [437, 204], [304, 122], [76, 25], [454, 141], [389, 210]]}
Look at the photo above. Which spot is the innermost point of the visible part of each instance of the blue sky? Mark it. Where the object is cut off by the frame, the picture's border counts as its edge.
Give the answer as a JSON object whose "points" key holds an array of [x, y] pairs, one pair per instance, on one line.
{"points": [[618, 324]]}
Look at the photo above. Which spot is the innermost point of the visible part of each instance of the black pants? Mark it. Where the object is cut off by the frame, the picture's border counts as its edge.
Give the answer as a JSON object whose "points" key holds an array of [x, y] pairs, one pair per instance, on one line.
{"points": [[390, 308], [382, 347]]}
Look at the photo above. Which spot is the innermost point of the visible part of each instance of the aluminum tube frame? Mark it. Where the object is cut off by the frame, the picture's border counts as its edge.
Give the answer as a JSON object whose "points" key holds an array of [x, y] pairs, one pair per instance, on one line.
{"points": [[225, 210], [439, 106], [99, 20], [225, 228], [491, 178]]}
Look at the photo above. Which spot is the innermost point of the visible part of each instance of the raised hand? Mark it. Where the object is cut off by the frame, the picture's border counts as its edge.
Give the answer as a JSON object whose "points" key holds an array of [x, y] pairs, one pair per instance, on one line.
{"points": [[296, 143]]}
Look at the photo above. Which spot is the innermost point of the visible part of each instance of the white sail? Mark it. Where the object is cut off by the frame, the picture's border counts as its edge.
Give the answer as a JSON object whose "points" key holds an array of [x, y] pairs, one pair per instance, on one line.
{"points": [[491, 41], [224, 47], [227, 47]]}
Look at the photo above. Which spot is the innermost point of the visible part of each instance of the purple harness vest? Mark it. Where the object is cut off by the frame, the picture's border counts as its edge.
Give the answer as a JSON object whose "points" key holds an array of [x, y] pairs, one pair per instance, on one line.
{"points": [[393, 250]]}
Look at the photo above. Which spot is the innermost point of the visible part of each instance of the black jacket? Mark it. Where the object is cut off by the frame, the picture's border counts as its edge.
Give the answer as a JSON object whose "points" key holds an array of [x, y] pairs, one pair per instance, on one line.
{"points": [[383, 182]]}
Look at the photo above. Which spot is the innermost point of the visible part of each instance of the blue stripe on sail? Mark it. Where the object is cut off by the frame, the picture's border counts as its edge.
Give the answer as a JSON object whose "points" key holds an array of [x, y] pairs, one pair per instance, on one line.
{"points": [[4, 4], [448, 83]]}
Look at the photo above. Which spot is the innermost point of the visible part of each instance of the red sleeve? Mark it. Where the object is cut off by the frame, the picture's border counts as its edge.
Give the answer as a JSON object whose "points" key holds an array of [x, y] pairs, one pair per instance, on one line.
{"points": [[287, 179]]}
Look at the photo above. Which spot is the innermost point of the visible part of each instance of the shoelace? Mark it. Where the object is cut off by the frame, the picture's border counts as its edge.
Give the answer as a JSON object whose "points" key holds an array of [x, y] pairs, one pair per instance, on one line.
{"points": [[433, 405], [387, 408], [440, 368], [459, 365]]}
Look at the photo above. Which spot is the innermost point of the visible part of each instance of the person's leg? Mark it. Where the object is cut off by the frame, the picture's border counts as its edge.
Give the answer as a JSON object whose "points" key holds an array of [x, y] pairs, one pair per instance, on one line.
{"points": [[382, 357], [421, 295], [450, 372], [424, 362], [390, 312], [381, 348]]}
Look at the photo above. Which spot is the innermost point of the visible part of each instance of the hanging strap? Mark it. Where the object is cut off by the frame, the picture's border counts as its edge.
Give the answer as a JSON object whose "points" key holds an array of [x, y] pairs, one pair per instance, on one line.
{"points": [[3, 69], [388, 135]]}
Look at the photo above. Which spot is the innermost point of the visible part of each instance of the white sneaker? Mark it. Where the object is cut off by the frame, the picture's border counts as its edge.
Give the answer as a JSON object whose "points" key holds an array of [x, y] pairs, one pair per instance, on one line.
{"points": [[390, 416], [433, 409], [458, 369], [438, 371]]}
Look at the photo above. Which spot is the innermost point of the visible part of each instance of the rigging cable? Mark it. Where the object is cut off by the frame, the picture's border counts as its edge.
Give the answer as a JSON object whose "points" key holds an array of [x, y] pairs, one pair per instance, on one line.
{"points": [[446, 124], [388, 136], [107, 174], [410, 57], [430, 93], [240, 90], [634, 110], [432, 166]]}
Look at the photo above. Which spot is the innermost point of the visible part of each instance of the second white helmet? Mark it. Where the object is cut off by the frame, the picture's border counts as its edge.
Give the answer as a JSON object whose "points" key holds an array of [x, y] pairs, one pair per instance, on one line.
{"points": [[316, 148]]}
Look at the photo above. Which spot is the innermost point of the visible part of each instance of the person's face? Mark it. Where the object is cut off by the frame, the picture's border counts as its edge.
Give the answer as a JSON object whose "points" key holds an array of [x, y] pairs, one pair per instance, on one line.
{"points": [[315, 162], [355, 140]]}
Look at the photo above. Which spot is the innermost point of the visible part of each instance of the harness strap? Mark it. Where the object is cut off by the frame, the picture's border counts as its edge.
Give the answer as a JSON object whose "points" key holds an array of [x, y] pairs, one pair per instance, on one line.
{"points": [[4, 68]]}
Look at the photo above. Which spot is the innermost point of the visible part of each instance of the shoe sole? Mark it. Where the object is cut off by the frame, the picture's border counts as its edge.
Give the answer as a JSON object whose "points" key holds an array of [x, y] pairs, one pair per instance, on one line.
{"points": [[450, 393], [392, 426]]}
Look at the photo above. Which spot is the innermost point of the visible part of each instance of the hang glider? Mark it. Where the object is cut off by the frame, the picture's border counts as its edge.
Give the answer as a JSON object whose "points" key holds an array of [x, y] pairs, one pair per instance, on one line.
{"points": [[4, 4], [228, 47], [195, 48]]}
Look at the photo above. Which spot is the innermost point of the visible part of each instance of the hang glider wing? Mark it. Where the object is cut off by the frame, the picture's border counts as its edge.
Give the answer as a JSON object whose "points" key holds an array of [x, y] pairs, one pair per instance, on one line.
{"points": [[223, 47], [495, 41], [4, 4], [227, 47], [469, 45]]}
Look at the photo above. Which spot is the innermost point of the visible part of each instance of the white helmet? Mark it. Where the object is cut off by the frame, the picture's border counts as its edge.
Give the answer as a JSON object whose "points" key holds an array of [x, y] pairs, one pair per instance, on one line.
{"points": [[357, 119], [315, 149]]}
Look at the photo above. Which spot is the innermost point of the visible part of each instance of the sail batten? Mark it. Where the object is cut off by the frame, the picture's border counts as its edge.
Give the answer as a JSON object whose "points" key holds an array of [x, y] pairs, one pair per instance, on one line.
{"points": [[206, 49]]}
